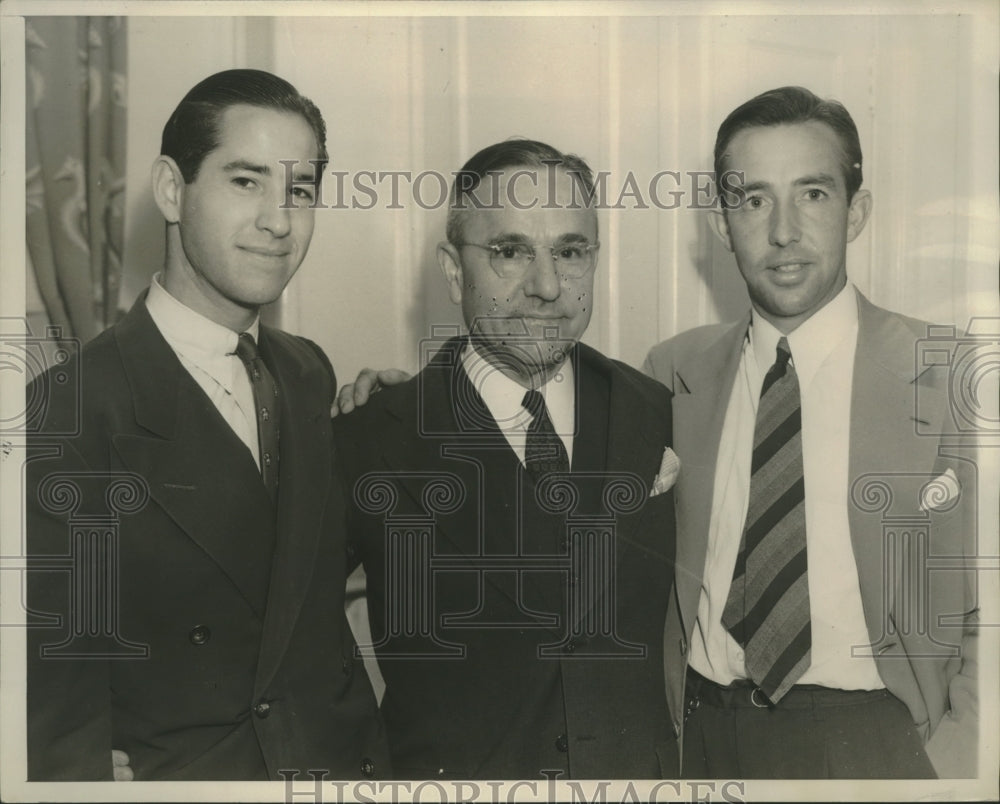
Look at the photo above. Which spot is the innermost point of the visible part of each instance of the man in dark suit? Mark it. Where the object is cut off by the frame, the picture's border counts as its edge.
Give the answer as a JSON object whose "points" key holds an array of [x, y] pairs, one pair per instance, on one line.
{"points": [[184, 525], [818, 508], [511, 505]]}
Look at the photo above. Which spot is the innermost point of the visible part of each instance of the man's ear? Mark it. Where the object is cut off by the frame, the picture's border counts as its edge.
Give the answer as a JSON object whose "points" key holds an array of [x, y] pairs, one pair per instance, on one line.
{"points": [[168, 187], [720, 225], [451, 267], [857, 213]]}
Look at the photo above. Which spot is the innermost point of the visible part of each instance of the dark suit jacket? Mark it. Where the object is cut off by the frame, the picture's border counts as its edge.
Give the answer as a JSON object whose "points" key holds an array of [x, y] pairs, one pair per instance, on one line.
{"points": [[926, 654], [224, 652], [491, 670]]}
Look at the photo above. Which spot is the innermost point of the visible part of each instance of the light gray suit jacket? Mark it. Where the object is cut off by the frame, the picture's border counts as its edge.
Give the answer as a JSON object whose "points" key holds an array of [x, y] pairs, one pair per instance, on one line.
{"points": [[921, 616]]}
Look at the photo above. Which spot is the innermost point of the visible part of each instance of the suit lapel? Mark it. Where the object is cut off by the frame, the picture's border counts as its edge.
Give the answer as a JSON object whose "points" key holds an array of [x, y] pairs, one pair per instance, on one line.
{"points": [[702, 385], [303, 493], [886, 384], [198, 470], [617, 431]]}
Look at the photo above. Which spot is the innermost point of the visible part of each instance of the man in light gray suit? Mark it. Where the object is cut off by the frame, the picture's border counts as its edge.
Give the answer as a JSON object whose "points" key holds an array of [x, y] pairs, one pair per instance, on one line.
{"points": [[803, 641]]}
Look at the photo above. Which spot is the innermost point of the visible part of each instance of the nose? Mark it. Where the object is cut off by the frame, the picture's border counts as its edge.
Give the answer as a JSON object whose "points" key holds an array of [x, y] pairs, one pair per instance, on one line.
{"points": [[542, 279], [274, 216], [784, 224]]}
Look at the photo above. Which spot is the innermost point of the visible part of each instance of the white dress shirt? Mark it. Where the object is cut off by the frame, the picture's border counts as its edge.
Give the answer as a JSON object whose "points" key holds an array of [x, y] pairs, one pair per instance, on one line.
{"points": [[503, 397], [822, 350], [208, 351]]}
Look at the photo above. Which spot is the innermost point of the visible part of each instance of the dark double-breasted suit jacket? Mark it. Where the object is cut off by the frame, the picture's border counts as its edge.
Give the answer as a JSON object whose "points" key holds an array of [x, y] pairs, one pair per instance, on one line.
{"points": [[911, 509], [518, 626], [178, 614]]}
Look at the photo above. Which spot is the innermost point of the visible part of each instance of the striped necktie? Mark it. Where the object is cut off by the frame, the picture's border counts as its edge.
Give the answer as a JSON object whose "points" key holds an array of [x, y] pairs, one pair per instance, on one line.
{"points": [[544, 450], [767, 610], [267, 409]]}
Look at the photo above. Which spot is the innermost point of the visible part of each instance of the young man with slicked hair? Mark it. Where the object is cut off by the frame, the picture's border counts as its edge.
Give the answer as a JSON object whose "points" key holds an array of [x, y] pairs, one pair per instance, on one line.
{"points": [[203, 635]]}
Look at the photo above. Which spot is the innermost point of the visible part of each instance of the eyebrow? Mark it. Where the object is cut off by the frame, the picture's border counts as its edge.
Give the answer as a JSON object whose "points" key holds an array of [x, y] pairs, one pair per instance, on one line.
{"points": [[264, 170], [243, 164], [510, 237], [821, 179], [754, 186], [518, 237]]}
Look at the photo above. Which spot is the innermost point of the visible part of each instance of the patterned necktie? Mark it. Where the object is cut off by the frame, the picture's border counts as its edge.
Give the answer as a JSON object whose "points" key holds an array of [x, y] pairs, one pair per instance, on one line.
{"points": [[266, 406], [544, 451], [767, 610]]}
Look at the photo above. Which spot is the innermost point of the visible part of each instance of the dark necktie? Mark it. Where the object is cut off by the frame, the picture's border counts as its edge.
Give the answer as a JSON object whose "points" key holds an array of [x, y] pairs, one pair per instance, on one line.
{"points": [[266, 406], [544, 451], [767, 610]]}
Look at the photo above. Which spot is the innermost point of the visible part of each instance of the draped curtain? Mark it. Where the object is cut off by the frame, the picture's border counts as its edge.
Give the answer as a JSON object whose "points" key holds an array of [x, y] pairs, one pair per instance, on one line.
{"points": [[75, 195]]}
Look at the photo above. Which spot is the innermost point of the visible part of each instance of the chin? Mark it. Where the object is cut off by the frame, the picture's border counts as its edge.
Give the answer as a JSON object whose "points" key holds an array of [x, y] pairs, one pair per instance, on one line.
{"points": [[264, 295]]}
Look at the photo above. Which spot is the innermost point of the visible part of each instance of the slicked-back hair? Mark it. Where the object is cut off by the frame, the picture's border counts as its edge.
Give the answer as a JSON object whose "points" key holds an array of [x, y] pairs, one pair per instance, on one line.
{"points": [[788, 105], [501, 156], [192, 132]]}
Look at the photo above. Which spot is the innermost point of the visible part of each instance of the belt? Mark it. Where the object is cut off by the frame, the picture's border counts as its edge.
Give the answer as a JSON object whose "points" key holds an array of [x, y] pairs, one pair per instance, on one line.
{"points": [[744, 693]]}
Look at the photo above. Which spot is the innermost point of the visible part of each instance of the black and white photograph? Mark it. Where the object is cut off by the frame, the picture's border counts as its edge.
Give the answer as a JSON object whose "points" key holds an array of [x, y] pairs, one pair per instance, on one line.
{"points": [[499, 401]]}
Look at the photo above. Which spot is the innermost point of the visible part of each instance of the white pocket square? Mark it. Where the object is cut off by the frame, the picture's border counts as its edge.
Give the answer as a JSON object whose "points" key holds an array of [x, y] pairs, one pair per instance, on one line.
{"points": [[670, 466], [940, 492]]}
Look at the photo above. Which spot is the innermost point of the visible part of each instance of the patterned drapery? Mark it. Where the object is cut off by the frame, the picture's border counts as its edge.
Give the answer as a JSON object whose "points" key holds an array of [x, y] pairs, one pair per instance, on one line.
{"points": [[75, 202]]}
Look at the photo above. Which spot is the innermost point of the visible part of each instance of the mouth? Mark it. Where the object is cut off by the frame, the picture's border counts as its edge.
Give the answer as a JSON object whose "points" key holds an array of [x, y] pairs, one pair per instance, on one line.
{"points": [[550, 326], [788, 273], [788, 267], [266, 252]]}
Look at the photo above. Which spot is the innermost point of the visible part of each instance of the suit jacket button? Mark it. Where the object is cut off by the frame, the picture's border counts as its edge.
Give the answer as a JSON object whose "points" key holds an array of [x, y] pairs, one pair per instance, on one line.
{"points": [[262, 709], [199, 634], [562, 744], [367, 768], [683, 645]]}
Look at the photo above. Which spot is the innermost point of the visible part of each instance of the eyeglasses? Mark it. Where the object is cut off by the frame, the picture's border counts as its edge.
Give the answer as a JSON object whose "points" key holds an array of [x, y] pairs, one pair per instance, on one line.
{"points": [[511, 260]]}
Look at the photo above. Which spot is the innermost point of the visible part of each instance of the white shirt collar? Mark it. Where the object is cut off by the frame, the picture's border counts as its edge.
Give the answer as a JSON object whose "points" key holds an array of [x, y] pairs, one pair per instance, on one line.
{"points": [[205, 343], [503, 396], [813, 340]]}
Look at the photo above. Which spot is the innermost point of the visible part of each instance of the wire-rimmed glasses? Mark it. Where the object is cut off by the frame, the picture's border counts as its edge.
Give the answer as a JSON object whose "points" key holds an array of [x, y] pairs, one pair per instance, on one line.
{"points": [[510, 259]]}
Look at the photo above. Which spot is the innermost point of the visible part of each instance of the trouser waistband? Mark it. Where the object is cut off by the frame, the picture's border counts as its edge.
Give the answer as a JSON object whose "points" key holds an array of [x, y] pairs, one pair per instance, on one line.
{"points": [[744, 693]]}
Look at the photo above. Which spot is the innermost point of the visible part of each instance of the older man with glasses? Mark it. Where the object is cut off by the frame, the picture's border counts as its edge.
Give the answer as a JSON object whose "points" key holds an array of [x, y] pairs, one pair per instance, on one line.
{"points": [[512, 506]]}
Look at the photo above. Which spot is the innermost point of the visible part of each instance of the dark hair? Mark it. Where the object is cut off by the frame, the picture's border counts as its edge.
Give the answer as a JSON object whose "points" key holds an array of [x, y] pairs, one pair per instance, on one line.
{"points": [[515, 152], [794, 105], [192, 132]]}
